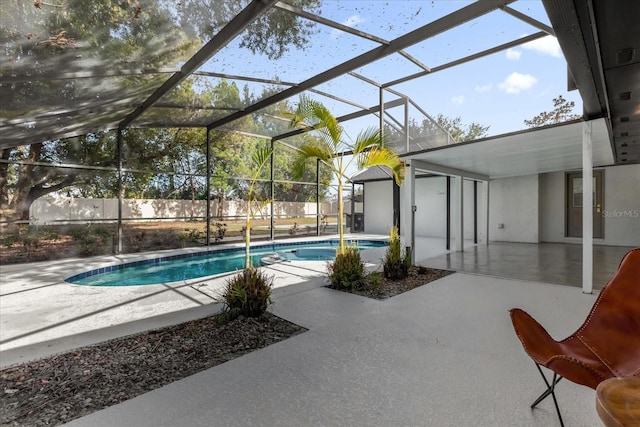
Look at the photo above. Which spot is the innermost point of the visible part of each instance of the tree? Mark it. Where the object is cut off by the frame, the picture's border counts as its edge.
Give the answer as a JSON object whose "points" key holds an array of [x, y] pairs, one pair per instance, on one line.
{"points": [[459, 131], [255, 203], [44, 39], [27, 176], [562, 112], [331, 148], [430, 133]]}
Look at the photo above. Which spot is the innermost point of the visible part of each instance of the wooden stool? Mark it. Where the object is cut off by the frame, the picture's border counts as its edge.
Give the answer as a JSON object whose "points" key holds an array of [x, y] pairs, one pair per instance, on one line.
{"points": [[618, 402]]}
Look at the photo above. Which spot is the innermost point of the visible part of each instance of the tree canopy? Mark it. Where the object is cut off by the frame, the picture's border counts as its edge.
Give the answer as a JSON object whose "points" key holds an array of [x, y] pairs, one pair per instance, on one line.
{"points": [[459, 131], [121, 38], [562, 112]]}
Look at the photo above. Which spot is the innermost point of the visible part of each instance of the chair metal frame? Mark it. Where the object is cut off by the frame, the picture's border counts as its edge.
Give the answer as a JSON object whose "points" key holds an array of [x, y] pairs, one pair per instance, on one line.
{"points": [[607, 344]]}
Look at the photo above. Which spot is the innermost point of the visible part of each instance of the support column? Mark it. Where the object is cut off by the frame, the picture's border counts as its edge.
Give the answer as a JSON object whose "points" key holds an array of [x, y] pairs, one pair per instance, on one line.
{"points": [[475, 212], [208, 165], [353, 207], [318, 213], [485, 199], [448, 213], [272, 175], [120, 191], [407, 221], [459, 214], [587, 209]]}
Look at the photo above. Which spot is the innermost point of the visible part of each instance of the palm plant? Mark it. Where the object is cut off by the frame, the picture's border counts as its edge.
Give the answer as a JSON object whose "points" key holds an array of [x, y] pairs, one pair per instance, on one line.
{"points": [[332, 149], [249, 292], [260, 158]]}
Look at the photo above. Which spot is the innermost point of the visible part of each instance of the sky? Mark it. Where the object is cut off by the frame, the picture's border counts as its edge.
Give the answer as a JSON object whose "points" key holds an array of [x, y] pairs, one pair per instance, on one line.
{"points": [[500, 91]]}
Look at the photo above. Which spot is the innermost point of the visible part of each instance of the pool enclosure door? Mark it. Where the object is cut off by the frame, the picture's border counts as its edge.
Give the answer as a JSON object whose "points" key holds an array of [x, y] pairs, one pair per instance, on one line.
{"points": [[574, 204]]}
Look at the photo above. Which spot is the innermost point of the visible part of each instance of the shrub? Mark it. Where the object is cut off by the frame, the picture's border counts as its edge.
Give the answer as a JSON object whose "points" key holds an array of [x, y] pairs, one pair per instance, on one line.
{"points": [[374, 280], [189, 235], [93, 240], [294, 229], [248, 294], [396, 264], [219, 231], [347, 270]]}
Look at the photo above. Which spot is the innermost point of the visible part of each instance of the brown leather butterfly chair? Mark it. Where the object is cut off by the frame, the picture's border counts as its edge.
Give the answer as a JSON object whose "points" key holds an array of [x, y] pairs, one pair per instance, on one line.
{"points": [[606, 345]]}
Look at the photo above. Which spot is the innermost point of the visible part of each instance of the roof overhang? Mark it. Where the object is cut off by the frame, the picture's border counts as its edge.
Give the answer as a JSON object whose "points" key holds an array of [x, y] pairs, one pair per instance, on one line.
{"points": [[600, 40], [547, 149]]}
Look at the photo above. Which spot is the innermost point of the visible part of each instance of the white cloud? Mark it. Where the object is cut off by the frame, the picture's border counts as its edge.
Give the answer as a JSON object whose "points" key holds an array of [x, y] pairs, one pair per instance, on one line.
{"points": [[516, 82], [484, 88], [351, 22], [547, 45], [513, 54], [458, 100]]}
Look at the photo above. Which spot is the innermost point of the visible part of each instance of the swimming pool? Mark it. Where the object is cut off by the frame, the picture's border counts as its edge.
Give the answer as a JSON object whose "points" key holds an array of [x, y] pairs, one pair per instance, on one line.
{"points": [[194, 265]]}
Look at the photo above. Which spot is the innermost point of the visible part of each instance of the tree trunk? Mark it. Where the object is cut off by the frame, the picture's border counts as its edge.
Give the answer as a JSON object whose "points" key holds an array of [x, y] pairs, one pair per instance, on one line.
{"points": [[220, 198], [247, 239], [20, 202], [340, 213], [4, 177], [30, 186]]}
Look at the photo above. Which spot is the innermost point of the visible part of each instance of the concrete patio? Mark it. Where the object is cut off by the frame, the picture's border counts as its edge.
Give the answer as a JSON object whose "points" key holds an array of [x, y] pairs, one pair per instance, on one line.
{"points": [[556, 263], [442, 354]]}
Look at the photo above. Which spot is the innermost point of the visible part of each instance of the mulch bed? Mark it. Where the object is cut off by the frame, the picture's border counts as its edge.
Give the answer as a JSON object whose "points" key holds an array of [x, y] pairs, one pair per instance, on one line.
{"points": [[418, 276], [57, 389]]}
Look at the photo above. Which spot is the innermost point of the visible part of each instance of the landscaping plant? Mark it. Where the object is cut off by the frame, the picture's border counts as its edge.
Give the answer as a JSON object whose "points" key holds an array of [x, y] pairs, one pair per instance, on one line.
{"points": [[347, 270], [247, 293], [367, 150], [396, 264]]}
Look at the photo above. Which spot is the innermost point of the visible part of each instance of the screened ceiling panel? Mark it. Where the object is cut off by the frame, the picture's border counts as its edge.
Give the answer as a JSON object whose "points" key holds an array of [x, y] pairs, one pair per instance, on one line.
{"points": [[357, 91], [297, 63], [72, 66], [31, 99], [158, 116], [43, 109], [497, 28], [387, 19], [531, 9], [388, 68], [51, 127], [71, 59]]}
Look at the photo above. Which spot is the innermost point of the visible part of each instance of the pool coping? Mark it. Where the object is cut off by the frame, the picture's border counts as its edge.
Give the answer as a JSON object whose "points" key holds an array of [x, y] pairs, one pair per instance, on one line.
{"points": [[235, 247]]}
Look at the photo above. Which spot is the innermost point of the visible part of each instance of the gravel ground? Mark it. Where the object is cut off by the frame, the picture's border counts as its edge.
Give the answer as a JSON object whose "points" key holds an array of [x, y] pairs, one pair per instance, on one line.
{"points": [[58, 389], [418, 276]]}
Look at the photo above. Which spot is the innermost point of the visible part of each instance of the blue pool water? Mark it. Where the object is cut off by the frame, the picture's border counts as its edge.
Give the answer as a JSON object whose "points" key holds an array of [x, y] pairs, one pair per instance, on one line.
{"points": [[191, 266]]}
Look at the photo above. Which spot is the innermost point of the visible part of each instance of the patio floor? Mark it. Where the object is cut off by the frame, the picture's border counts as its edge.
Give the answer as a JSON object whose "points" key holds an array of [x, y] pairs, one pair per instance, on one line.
{"points": [[442, 354], [556, 263]]}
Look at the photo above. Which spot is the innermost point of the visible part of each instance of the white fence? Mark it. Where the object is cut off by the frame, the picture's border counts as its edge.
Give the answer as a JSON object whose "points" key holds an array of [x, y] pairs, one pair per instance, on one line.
{"points": [[48, 210]]}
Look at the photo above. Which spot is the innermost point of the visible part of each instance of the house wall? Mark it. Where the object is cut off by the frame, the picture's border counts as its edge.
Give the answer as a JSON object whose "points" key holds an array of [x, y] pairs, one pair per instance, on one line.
{"points": [[513, 213], [621, 208], [431, 200], [530, 208], [430, 217], [378, 207], [431, 213]]}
